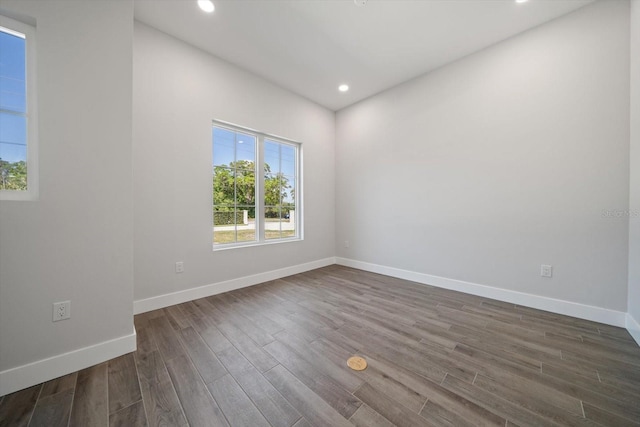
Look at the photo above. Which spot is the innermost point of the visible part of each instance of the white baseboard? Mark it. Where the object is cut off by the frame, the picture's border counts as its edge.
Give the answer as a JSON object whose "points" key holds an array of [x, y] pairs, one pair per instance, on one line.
{"points": [[24, 376], [166, 300], [633, 326], [582, 311]]}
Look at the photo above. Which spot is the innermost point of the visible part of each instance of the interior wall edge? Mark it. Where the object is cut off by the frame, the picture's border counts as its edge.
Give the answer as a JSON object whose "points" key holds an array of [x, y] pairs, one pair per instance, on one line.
{"points": [[567, 308], [633, 326], [166, 300], [24, 376]]}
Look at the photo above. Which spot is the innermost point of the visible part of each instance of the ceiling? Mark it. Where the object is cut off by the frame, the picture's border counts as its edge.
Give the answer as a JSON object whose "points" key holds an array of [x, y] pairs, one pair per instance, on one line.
{"points": [[311, 46]]}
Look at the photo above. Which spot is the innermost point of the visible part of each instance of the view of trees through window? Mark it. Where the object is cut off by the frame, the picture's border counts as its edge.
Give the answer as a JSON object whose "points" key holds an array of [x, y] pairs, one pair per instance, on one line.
{"points": [[13, 111], [235, 191]]}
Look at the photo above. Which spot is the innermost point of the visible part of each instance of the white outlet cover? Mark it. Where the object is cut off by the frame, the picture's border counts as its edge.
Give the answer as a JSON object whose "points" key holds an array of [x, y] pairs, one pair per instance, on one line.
{"points": [[546, 270], [179, 267], [61, 310]]}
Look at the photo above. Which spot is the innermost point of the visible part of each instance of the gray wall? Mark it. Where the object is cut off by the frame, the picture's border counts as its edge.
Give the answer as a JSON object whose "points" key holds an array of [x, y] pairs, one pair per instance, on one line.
{"points": [[76, 242], [634, 219], [178, 90], [487, 168]]}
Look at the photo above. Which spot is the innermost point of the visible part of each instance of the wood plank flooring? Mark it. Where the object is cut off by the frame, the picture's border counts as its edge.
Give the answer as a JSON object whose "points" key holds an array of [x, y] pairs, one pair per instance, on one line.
{"points": [[275, 355]]}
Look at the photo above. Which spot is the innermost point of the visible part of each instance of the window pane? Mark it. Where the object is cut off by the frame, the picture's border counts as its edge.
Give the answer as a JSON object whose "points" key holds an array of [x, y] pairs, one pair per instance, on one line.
{"points": [[246, 234], [12, 94], [272, 190], [13, 167], [223, 186], [16, 157], [288, 221], [13, 129], [280, 191], [272, 223], [271, 156], [246, 226], [234, 186], [288, 189], [224, 224], [13, 152], [245, 187], [245, 151], [234, 224], [223, 147], [279, 222], [288, 161], [12, 72]]}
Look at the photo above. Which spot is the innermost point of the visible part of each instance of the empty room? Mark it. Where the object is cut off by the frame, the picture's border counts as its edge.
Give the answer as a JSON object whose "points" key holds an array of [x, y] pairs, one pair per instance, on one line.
{"points": [[296, 213]]}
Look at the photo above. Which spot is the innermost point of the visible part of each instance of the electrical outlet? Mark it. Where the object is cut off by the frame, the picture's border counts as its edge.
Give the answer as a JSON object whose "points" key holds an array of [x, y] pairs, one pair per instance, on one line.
{"points": [[179, 267], [546, 270], [61, 310], [346, 243]]}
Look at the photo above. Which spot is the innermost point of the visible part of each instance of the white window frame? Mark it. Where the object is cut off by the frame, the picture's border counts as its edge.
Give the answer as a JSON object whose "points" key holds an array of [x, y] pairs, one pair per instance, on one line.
{"points": [[29, 33], [260, 207]]}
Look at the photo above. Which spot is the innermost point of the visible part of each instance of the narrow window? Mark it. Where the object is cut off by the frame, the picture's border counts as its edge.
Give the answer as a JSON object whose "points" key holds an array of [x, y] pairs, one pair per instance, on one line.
{"points": [[18, 154], [234, 186], [251, 207], [280, 175]]}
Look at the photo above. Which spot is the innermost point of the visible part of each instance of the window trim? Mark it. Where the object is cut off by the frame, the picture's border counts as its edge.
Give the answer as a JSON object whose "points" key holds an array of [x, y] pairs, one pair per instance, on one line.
{"points": [[29, 32], [260, 207]]}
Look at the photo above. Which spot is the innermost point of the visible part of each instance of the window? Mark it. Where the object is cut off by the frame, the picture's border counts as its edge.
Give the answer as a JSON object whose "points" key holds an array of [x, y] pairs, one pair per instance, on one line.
{"points": [[251, 207], [18, 154]]}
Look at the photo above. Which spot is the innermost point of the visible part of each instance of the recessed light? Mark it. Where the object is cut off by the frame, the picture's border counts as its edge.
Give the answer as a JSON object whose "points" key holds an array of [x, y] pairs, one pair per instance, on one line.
{"points": [[206, 5], [521, 1], [343, 88]]}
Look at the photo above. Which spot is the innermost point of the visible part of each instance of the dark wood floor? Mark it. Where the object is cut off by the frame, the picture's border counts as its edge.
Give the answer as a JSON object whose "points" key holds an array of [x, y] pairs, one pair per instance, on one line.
{"points": [[275, 355]]}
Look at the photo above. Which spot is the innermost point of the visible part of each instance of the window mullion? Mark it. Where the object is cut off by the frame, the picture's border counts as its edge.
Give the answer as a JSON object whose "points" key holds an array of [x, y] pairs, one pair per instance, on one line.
{"points": [[260, 209], [235, 187]]}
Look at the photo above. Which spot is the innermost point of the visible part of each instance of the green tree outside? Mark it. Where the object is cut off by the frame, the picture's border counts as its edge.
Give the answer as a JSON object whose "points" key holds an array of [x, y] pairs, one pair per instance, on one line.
{"points": [[227, 194], [13, 175]]}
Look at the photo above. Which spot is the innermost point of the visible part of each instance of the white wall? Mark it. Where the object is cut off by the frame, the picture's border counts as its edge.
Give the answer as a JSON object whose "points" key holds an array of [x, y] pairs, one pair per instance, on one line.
{"points": [[485, 169], [75, 242], [479, 171], [178, 90], [634, 218]]}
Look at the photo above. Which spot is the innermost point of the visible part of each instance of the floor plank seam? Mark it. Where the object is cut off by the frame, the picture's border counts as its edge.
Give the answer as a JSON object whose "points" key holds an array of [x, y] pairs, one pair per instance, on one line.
{"points": [[173, 386], [226, 417], [33, 410], [144, 406], [106, 385], [175, 392], [423, 406], [444, 378], [255, 404], [125, 407], [73, 399]]}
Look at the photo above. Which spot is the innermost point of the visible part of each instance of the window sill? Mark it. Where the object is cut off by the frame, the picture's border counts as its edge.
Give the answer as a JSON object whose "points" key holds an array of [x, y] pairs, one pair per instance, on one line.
{"points": [[19, 196], [227, 246]]}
